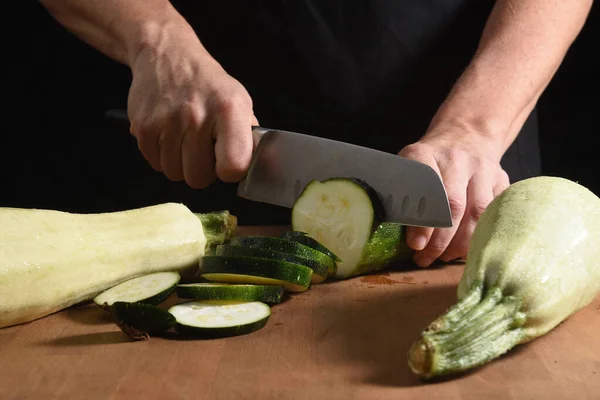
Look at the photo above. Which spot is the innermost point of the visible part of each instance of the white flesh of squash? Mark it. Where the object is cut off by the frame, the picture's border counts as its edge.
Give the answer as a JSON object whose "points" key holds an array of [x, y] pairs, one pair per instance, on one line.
{"points": [[50, 260], [539, 241]]}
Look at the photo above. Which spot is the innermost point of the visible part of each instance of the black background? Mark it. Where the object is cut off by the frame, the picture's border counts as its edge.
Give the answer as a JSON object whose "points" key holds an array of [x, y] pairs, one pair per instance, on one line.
{"points": [[55, 90]]}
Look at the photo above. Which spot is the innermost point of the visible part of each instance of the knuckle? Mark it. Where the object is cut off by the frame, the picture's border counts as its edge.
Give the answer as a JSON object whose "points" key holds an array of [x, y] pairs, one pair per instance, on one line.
{"points": [[435, 248], [232, 102], [478, 209], [457, 207], [193, 114], [456, 153], [413, 150]]}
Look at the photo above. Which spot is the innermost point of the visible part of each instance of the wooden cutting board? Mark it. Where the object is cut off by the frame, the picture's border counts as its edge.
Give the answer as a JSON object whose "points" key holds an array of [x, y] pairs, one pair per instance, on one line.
{"points": [[339, 340]]}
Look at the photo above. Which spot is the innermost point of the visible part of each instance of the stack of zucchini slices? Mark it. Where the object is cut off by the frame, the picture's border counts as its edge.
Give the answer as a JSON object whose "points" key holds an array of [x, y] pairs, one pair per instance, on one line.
{"points": [[241, 278], [240, 281]]}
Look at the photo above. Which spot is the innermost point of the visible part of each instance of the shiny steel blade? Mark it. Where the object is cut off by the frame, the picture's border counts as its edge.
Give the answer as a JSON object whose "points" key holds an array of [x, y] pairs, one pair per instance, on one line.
{"points": [[285, 162]]}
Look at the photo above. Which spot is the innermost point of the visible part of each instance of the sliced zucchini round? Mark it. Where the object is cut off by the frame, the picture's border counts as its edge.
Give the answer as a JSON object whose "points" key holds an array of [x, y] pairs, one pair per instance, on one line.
{"points": [[305, 239], [341, 214], [320, 270], [139, 320], [148, 289], [285, 246], [209, 319], [256, 270], [229, 292]]}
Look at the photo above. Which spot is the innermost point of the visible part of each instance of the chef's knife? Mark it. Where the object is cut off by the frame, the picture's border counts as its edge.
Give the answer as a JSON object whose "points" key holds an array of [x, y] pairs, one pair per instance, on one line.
{"points": [[284, 162]]}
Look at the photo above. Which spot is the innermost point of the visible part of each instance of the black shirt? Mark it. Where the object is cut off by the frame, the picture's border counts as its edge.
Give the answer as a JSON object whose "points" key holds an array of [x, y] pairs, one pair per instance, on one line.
{"points": [[366, 72]]}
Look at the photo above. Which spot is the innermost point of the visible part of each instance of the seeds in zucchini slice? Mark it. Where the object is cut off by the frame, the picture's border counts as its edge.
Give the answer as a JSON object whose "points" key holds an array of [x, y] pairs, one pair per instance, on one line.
{"points": [[305, 239], [341, 214], [230, 292], [210, 319], [320, 270], [285, 246], [150, 289], [139, 320], [256, 270]]}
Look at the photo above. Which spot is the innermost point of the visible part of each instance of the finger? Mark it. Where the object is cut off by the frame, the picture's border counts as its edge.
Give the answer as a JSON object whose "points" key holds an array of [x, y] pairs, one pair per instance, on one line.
{"points": [[502, 182], [479, 195], [146, 135], [198, 157], [170, 140], [456, 183], [233, 147], [417, 237]]}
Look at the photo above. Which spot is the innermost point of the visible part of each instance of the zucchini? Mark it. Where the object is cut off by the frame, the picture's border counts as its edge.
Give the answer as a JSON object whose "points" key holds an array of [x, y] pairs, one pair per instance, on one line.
{"points": [[345, 215], [305, 239], [51, 260], [150, 289], [228, 292], [285, 246], [139, 321], [320, 270], [208, 319], [532, 263], [256, 270]]}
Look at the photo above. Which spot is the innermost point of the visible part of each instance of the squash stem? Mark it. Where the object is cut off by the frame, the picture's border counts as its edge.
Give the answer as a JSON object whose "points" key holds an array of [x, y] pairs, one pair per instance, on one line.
{"points": [[485, 332], [219, 227], [456, 313]]}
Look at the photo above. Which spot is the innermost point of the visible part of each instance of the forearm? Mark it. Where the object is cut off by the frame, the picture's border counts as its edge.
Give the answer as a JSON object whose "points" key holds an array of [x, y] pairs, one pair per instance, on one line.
{"points": [[119, 28], [522, 46]]}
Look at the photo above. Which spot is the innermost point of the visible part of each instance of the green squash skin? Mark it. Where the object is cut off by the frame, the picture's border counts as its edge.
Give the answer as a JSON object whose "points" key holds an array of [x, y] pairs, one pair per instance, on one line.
{"points": [[539, 241]]}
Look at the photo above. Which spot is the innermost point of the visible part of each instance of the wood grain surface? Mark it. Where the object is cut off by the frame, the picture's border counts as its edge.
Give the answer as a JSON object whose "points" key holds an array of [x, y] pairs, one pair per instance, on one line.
{"points": [[339, 340]]}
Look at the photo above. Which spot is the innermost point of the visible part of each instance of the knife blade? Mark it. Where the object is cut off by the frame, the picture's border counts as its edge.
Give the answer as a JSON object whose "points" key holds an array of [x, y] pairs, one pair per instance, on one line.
{"points": [[284, 162]]}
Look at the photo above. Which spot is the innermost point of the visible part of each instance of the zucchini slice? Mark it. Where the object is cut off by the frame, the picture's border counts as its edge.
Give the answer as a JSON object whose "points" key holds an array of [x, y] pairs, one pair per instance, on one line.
{"points": [[209, 319], [229, 292], [305, 239], [320, 270], [285, 246], [256, 270], [139, 321], [345, 215], [150, 289]]}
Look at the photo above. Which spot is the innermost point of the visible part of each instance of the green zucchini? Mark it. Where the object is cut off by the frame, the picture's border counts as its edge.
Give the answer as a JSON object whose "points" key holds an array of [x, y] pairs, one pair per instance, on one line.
{"points": [[286, 246], [532, 263], [52, 260], [149, 289], [209, 319], [256, 270], [229, 292], [305, 239], [345, 215], [320, 270], [139, 321]]}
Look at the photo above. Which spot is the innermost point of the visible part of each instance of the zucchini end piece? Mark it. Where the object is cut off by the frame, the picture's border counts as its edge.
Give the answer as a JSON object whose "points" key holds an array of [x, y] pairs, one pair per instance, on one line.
{"points": [[139, 321]]}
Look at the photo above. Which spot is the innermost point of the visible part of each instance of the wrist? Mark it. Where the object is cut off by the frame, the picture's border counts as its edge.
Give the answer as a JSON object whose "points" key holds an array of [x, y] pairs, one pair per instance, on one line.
{"points": [[484, 136], [152, 38]]}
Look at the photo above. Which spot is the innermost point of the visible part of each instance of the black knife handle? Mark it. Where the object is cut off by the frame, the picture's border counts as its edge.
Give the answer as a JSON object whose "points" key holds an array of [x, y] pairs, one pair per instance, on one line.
{"points": [[118, 118]]}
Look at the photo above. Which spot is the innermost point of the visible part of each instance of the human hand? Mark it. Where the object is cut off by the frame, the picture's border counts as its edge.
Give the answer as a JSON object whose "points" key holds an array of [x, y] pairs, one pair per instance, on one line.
{"points": [[472, 176], [192, 121]]}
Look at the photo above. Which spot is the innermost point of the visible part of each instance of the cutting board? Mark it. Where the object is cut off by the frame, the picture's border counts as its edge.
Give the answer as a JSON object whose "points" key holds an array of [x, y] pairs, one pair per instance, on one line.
{"points": [[338, 340]]}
